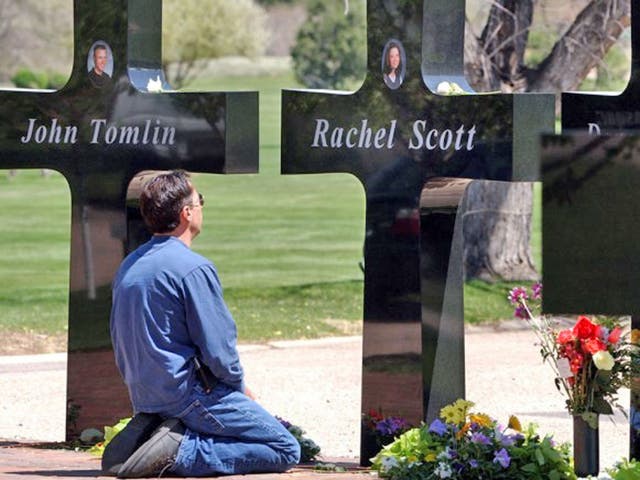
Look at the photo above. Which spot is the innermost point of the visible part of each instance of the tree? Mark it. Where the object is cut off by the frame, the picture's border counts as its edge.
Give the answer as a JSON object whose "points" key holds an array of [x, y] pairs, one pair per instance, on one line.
{"points": [[497, 243], [330, 49], [496, 58], [195, 31]]}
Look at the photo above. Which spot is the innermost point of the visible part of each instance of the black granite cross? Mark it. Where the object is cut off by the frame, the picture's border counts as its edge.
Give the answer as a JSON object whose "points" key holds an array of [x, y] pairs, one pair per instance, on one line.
{"points": [[400, 140], [590, 215], [99, 131]]}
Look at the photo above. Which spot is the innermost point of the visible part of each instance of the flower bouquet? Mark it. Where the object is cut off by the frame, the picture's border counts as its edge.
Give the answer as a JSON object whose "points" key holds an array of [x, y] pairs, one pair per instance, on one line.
{"points": [[591, 361], [465, 445], [384, 429]]}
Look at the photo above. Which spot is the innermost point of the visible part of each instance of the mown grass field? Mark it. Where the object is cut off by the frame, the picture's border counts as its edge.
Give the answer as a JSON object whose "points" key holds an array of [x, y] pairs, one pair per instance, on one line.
{"points": [[287, 247]]}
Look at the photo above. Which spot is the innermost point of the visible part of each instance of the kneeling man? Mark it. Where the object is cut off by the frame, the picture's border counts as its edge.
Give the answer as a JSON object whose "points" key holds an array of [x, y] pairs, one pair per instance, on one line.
{"points": [[175, 345]]}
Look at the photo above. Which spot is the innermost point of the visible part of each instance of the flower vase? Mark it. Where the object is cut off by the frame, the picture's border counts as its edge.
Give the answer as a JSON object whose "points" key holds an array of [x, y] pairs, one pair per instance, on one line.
{"points": [[369, 446], [586, 448]]}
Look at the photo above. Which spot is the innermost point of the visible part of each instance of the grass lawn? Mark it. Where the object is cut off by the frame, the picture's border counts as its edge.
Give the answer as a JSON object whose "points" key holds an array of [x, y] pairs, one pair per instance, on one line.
{"points": [[286, 247]]}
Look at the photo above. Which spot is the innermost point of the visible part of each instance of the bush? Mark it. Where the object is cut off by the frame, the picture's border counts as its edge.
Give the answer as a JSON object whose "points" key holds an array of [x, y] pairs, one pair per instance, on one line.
{"points": [[330, 50], [57, 81], [25, 78]]}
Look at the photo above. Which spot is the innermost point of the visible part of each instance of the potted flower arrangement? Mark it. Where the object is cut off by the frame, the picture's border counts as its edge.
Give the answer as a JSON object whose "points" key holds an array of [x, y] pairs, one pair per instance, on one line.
{"points": [[464, 445], [591, 362], [378, 430]]}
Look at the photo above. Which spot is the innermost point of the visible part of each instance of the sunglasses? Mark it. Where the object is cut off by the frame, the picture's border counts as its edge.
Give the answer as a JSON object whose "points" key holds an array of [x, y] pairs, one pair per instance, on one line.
{"points": [[200, 199]]}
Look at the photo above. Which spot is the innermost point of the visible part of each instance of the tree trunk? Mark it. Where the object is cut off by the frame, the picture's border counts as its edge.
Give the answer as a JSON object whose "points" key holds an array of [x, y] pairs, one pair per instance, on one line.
{"points": [[503, 43], [497, 232], [582, 47]]}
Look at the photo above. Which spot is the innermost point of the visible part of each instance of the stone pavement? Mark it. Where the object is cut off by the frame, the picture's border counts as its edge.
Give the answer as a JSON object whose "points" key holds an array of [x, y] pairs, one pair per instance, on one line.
{"points": [[314, 384], [26, 462]]}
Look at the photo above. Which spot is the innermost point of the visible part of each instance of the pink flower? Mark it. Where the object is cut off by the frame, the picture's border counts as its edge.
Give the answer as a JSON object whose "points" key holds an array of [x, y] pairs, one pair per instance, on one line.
{"points": [[615, 334], [517, 294], [565, 336], [536, 289]]}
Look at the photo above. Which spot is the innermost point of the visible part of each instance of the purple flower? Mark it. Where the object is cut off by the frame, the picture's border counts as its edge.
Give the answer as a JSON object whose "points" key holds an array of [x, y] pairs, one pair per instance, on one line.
{"points": [[283, 422], [438, 427], [508, 440], [391, 426], [521, 312], [502, 457], [473, 463], [517, 294], [457, 466], [536, 289], [480, 439], [447, 454]]}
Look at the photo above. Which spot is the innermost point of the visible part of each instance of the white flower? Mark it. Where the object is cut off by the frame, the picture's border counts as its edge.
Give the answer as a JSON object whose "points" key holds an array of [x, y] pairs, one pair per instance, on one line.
{"points": [[443, 88], [603, 360], [443, 470], [449, 88], [388, 463], [154, 86]]}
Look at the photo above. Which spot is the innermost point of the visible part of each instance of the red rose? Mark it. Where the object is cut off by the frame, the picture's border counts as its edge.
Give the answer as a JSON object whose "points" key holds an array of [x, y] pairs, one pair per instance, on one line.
{"points": [[565, 336], [584, 328], [615, 334], [593, 345]]}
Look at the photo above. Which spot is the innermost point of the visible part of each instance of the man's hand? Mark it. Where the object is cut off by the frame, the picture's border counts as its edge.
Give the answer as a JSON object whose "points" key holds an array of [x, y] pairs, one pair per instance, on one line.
{"points": [[249, 393]]}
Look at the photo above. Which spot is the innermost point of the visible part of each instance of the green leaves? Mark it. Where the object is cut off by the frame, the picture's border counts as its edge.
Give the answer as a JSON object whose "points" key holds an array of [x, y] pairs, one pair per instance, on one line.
{"points": [[591, 418], [625, 470]]}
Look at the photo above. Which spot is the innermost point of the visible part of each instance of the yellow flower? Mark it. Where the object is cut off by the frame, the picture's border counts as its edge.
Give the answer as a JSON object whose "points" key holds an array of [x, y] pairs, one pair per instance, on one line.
{"points": [[514, 423], [430, 457], [481, 419], [456, 412], [635, 336]]}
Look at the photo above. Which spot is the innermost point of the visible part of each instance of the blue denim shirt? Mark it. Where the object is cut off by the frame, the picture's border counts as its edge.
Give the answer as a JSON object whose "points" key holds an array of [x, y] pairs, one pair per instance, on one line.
{"points": [[168, 308]]}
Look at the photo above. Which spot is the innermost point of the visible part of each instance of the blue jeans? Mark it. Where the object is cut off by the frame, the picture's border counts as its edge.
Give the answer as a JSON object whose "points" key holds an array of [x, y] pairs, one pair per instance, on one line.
{"points": [[228, 433]]}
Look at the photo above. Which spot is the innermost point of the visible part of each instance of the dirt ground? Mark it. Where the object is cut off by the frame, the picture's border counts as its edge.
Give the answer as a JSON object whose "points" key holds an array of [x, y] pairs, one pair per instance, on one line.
{"points": [[30, 343]]}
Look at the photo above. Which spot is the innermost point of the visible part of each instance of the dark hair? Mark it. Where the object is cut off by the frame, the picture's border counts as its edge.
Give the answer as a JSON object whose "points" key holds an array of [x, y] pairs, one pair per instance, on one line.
{"points": [[99, 46], [162, 199], [387, 67]]}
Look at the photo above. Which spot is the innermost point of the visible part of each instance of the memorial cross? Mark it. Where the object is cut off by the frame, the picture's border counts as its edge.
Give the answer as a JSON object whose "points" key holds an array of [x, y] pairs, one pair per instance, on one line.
{"points": [[99, 131], [395, 135], [590, 214]]}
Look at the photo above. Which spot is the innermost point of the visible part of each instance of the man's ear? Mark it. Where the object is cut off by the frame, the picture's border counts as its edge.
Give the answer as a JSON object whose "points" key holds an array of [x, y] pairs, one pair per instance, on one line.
{"points": [[186, 214]]}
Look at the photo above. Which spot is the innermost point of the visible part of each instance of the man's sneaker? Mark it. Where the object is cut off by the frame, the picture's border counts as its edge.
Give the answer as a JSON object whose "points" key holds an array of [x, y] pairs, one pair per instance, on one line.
{"points": [[156, 454], [122, 446]]}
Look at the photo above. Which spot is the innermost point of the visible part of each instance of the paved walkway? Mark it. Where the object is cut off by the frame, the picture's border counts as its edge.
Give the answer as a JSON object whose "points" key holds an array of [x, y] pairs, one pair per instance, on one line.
{"points": [[315, 384]]}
